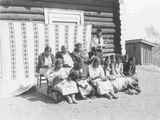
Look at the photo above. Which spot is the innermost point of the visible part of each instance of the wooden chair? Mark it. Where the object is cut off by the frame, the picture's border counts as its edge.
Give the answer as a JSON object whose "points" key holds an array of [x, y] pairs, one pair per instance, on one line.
{"points": [[41, 78], [55, 95]]}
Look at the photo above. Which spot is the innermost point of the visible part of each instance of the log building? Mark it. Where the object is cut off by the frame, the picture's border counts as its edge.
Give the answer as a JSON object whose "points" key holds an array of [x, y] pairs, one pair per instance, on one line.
{"points": [[24, 32], [141, 50], [103, 13]]}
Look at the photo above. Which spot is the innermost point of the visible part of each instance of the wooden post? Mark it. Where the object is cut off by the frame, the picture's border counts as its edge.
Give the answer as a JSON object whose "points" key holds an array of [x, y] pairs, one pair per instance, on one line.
{"points": [[142, 57]]}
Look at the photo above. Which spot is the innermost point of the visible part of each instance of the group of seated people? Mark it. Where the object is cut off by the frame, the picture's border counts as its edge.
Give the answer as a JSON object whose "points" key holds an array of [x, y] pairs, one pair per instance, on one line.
{"points": [[90, 74]]}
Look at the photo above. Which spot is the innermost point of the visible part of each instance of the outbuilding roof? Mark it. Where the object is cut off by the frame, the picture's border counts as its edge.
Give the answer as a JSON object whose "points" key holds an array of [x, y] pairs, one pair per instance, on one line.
{"points": [[140, 41]]}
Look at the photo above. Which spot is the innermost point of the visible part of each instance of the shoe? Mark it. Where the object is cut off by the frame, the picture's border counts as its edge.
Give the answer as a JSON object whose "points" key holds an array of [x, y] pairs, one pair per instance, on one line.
{"points": [[83, 97], [107, 96], [115, 97], [129, 92], [69, 100], [75, 101]]}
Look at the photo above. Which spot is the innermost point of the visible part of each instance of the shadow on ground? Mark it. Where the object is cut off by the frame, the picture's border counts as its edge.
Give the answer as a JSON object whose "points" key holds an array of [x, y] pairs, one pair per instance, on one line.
{"points": [[34, 96]]}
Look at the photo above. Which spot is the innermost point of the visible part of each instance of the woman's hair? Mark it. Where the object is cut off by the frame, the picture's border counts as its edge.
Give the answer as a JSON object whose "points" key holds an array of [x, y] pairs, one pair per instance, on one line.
{"points": [[98, 50], [58, 61], [47, 48], [118, 58], [59, 55], [98, 31], [77, 65], [106, 61], [112, 58], [131, 59], [93, 49], [106, 58], [124, 58], [76, 46], [95, 59]]}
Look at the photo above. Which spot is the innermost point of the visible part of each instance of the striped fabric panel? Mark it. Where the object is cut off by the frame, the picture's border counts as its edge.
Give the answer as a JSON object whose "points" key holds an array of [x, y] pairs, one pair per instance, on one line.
{"points": [[75, 34], [25, 50], [46, 34], [84, 38], [0, 60], [12, 50], [66, 35], [56, 38], [36, 45]]}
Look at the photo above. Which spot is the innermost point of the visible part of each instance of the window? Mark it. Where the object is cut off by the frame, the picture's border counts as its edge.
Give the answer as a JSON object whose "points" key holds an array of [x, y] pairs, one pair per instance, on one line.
{"points": [[63, 16]]}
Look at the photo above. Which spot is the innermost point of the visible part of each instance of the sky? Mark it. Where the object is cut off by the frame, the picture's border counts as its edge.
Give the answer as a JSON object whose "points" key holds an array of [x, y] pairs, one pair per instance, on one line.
{"points": [[140, 19]]}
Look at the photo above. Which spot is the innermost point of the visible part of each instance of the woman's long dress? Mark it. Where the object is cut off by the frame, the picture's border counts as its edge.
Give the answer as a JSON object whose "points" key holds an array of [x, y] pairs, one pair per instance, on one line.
{"points": [[60, 82], [97, 79], [120, 82], [82, 79]]}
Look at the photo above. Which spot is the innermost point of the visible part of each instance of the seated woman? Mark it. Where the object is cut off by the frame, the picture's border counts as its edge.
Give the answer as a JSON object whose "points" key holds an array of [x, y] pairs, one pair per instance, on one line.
{"points": [[58, 78], [107, 69], [80, 74], [118, 81], [122, 83], [125, 62], [131, 73], [98, 80], [92, 53], [67, 59]]}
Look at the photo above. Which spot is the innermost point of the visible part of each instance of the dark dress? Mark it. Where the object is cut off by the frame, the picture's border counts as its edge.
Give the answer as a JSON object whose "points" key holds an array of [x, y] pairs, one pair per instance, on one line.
{"points": [[125, 68], [130, 69], [131, 72], [41, 62]]}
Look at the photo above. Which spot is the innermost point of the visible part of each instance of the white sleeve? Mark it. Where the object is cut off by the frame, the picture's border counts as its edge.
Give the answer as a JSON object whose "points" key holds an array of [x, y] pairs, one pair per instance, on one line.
{"points": [[101, 72]]}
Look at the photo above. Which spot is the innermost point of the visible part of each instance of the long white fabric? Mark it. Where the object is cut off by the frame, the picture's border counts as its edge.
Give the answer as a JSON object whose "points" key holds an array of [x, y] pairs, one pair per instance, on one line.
{"points": [[22, 42]]}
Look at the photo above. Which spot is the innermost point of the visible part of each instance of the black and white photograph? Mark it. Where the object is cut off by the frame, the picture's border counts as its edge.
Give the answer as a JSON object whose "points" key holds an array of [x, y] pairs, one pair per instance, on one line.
{"points": [[79, 60]]}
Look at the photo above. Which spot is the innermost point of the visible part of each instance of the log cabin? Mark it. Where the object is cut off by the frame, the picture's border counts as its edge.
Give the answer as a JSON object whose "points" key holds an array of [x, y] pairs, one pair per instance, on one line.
{"points": [[25, 25]]}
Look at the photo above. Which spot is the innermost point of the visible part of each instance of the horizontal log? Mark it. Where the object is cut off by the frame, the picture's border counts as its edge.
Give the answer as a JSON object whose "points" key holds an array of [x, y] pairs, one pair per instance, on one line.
{"points": [[108, 51], [108, 42], [29, 10], [106, 36], [106, 3], [108, 54], [108, 46], [105, 30], [95, 19], [99, 24], [28, 17], [56, 5], [99, 14]]}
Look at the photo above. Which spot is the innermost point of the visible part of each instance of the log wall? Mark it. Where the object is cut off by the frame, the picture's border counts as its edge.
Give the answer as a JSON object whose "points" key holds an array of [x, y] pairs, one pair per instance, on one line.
{"points": [[104, 14]]}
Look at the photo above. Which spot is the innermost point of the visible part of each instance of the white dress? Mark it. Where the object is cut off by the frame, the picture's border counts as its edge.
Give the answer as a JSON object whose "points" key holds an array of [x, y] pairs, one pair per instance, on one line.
{"points": [[65, 87], [120, 82], [68, 60], [103, 87]]}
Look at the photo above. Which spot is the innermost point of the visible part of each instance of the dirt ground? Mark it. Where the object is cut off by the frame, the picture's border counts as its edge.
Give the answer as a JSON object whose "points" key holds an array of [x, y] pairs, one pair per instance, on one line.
{"points": [[35, 106]]}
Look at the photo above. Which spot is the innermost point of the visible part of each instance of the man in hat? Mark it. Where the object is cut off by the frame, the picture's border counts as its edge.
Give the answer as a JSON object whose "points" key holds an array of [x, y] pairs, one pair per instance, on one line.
{"points": [[45, 61]]}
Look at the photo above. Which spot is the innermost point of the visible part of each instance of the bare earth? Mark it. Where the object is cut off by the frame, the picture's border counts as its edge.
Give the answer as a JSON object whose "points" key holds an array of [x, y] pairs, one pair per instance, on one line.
{"points": [[145, 106]]}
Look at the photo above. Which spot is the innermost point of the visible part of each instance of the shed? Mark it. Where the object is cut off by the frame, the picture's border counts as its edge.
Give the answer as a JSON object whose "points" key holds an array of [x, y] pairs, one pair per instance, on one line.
{"points": [[141, 50]]}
